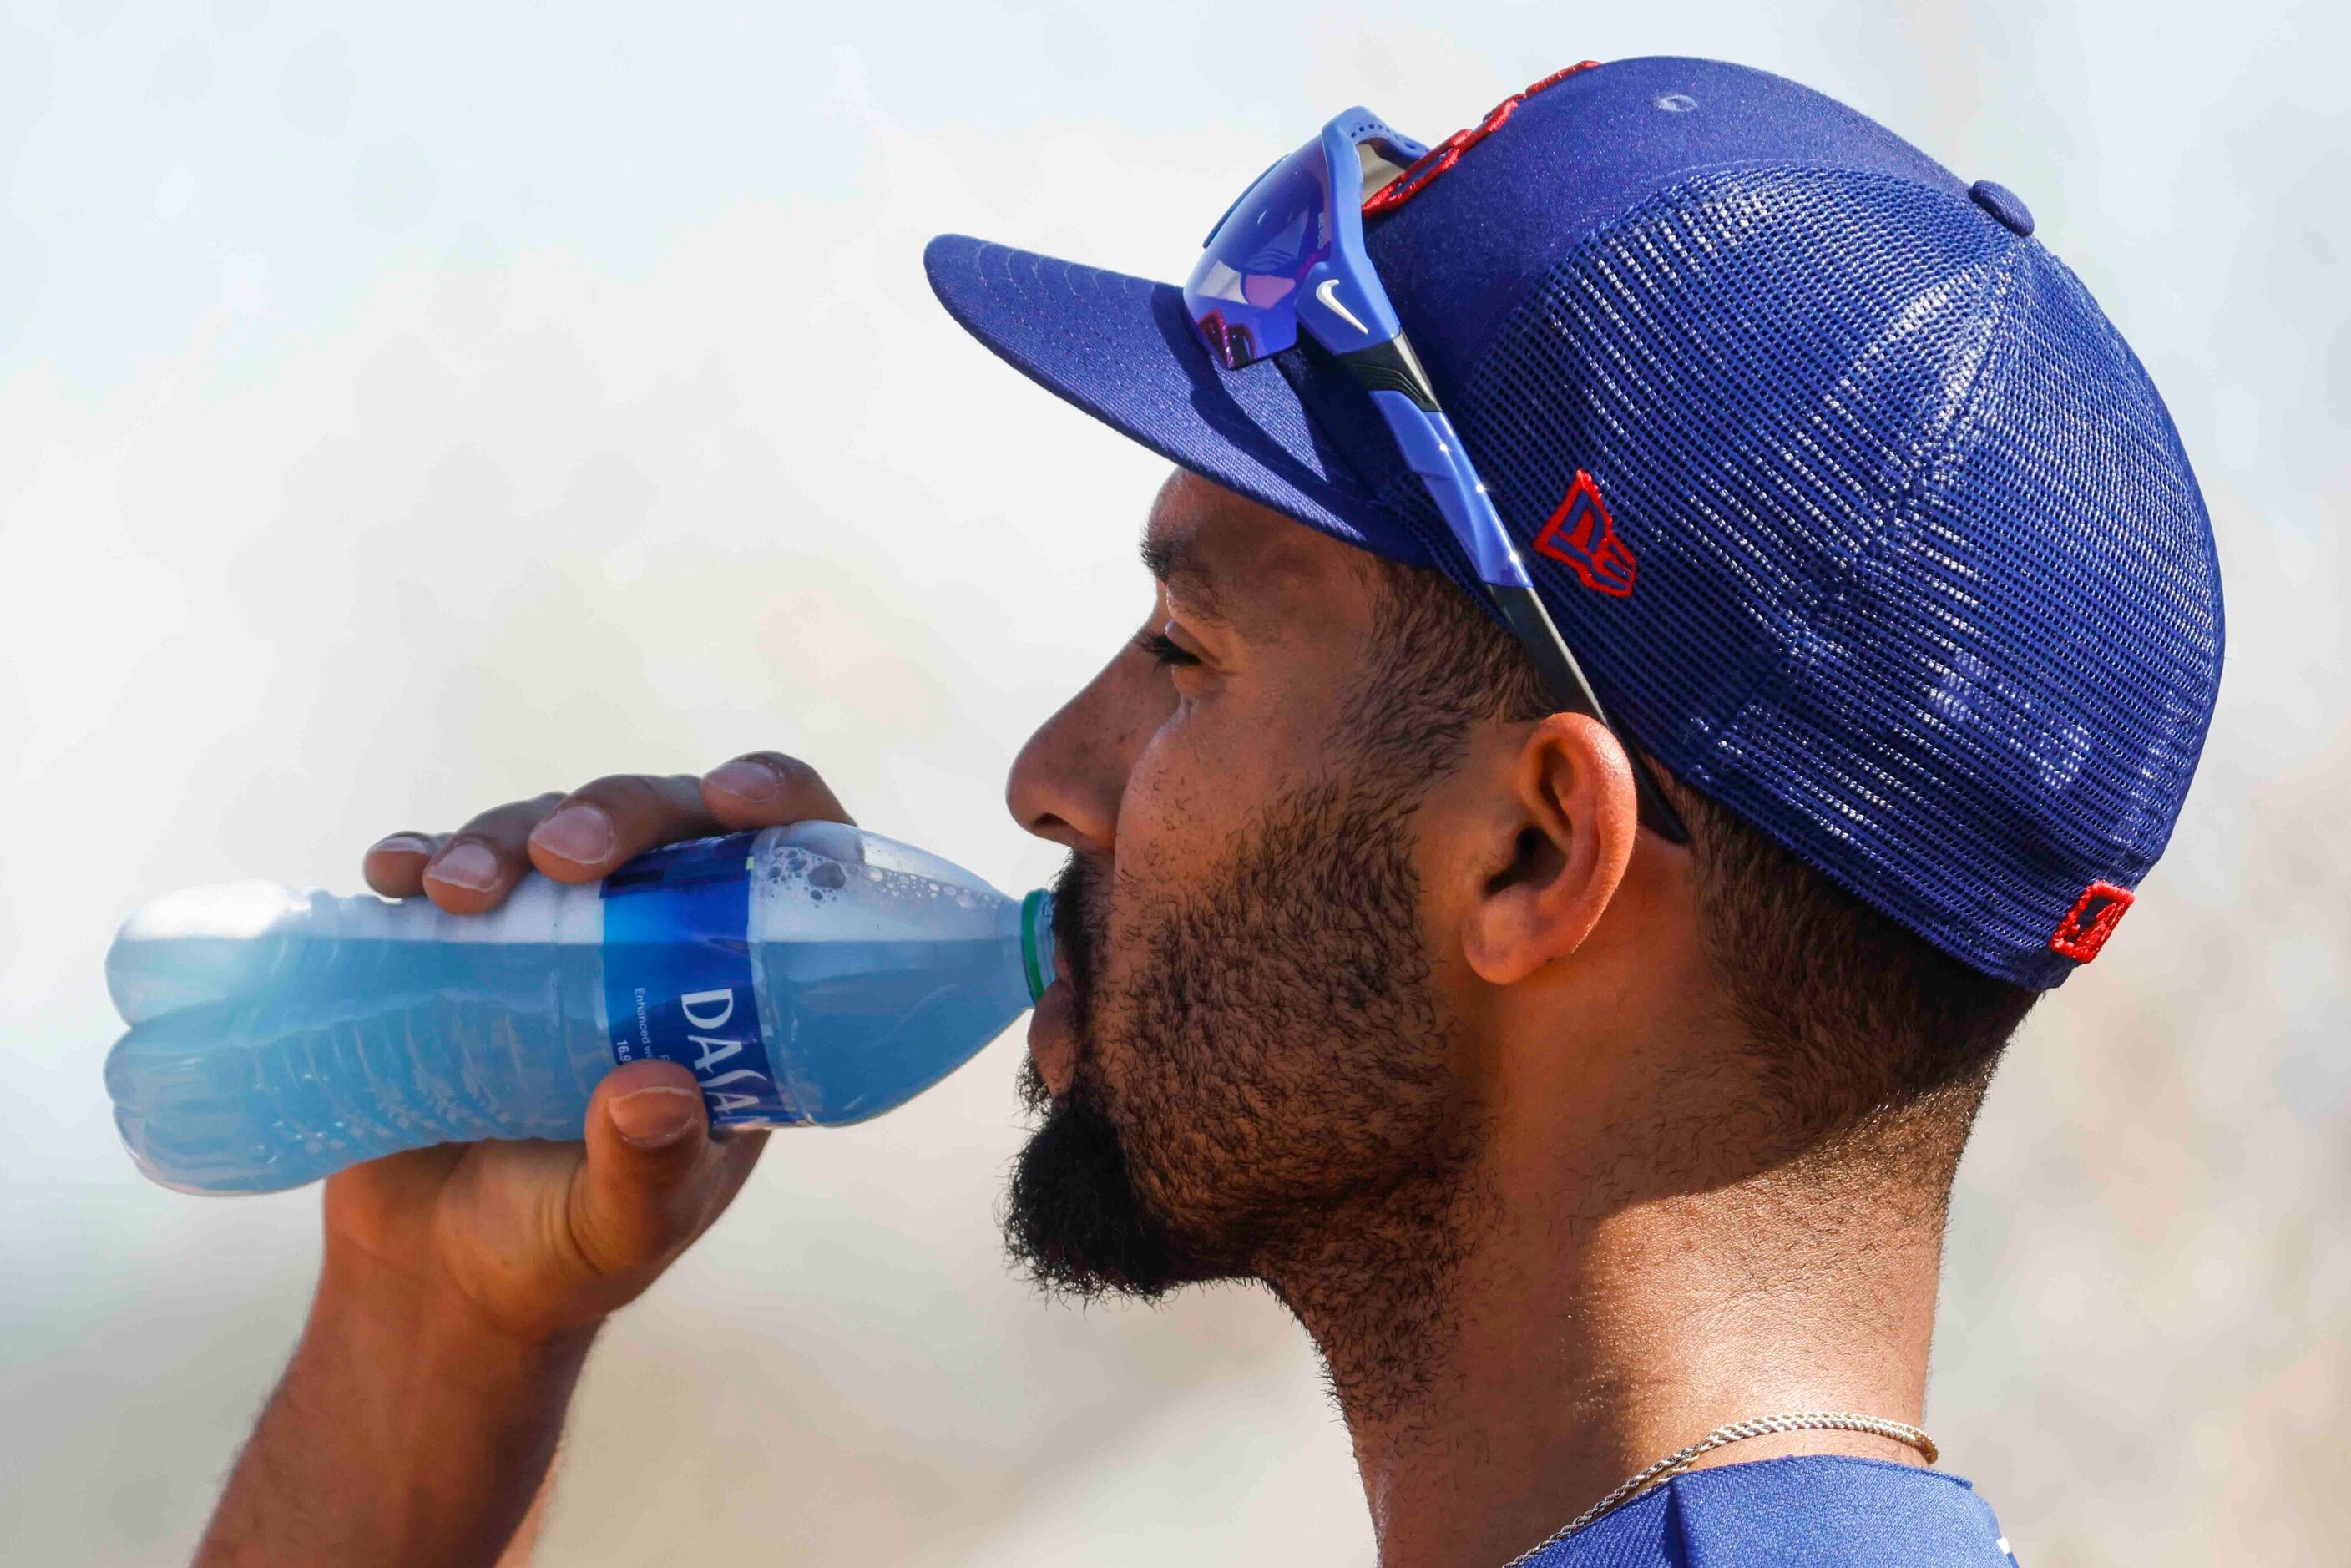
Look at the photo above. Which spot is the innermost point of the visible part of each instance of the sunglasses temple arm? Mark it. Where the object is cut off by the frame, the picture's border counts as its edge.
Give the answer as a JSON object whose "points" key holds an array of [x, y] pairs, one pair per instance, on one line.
{"points": [[1563, 678], [1431, 449]]}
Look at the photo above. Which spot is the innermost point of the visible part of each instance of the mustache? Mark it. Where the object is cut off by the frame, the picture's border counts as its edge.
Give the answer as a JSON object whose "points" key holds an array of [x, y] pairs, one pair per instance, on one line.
{"points": [[1081, 923]]}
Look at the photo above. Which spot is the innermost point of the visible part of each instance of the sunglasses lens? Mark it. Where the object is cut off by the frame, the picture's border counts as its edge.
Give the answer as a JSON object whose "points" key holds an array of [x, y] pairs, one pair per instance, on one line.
{"points": [[1243, 294]]}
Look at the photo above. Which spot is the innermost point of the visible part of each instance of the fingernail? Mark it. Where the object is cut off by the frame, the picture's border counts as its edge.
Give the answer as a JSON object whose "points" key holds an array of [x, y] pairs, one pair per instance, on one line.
{"points": [[402, 844], [467, 865], [655, 1118], [745, 781], [580, 833]]}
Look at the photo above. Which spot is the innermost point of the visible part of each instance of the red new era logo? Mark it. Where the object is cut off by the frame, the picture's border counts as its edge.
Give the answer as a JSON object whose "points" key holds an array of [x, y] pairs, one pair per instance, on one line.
{"points": [[2091, 921], [1583, 534]]}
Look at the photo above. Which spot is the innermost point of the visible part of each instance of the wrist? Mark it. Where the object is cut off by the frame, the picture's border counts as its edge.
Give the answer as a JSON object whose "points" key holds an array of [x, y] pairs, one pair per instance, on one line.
{"points": [[409, 1427], [431, 1365], [358, 1291]]}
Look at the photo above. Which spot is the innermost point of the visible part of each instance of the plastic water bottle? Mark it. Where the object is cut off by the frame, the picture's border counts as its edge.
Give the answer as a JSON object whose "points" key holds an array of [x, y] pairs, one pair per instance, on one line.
{"points": [[811, 974]]}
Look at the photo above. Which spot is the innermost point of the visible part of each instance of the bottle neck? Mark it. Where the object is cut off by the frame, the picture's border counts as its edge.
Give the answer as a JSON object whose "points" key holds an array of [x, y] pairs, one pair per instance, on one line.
{"points": [[1036, 942]]}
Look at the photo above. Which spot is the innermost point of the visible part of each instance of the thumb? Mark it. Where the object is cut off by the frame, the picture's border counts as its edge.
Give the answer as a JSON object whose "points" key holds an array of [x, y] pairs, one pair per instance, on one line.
{"points": [[643, 1193]]}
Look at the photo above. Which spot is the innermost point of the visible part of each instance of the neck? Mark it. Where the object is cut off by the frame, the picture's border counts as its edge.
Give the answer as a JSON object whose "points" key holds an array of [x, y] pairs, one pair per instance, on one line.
{"points": [[1505, 1354]]}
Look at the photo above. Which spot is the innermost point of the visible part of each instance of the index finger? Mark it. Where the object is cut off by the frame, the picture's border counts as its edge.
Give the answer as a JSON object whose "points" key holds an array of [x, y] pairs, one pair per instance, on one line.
{"points": [[770, 790], [596, 828]]}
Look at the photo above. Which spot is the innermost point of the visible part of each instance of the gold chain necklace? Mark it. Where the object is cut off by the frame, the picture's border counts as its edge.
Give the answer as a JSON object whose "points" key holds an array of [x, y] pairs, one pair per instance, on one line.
{"points": [[1736, 1431]]}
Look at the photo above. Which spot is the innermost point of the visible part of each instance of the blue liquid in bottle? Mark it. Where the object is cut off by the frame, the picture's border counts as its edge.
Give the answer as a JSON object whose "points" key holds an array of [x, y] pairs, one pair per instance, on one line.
{"points": [[809, 975]]}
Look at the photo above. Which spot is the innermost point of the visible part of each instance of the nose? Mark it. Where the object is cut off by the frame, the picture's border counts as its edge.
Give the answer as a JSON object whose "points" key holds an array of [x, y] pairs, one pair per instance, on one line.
{"points": [[1066, 782]]}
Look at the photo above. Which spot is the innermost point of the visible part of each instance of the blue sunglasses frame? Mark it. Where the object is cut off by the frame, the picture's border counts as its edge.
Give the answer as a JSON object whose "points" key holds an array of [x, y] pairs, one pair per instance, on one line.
{"points": [[1290, 254]]}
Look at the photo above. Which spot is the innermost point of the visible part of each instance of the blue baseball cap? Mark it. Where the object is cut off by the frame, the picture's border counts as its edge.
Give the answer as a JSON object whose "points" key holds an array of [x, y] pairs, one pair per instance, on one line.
{"points": [[1862, 518]]}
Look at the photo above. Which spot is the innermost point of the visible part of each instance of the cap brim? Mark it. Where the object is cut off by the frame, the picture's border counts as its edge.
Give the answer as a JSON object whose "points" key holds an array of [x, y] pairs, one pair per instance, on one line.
{"points": [[1123, 348]]}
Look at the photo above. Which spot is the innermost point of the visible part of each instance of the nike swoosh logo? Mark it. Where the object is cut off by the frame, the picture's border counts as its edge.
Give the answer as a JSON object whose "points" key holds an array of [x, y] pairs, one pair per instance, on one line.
{"points": [[1328, 293]]}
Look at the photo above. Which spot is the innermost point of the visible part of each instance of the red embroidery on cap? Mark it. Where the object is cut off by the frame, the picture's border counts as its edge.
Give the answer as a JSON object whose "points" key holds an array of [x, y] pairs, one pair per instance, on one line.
{"points": [[2091, 921], [1447, 152], [1582, 534]]}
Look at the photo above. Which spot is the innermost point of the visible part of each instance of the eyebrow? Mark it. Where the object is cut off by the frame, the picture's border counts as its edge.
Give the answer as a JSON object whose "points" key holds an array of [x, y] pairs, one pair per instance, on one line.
{"points": [[1174, 560]]}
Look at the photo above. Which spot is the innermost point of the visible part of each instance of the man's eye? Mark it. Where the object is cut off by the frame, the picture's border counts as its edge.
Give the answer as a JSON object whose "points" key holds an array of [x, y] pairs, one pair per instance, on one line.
{"points": [[1164, 650]]}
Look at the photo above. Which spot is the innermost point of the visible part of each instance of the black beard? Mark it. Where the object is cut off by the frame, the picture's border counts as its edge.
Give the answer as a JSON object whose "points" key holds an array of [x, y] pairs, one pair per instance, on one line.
{"points": [[1072, 1219], [1283, 1109]]}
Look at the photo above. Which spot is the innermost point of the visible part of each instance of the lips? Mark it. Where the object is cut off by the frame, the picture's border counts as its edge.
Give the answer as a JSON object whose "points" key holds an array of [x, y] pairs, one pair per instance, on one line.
{"points": [[1053, 1037]]}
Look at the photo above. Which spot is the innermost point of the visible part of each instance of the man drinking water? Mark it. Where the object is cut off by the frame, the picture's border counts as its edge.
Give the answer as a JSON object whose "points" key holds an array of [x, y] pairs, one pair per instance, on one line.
{"points": [[1675, 621]]}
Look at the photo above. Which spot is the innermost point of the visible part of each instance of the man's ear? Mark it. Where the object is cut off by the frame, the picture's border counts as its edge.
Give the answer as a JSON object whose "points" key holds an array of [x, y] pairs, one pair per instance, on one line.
{"points": [[1576, 817]]}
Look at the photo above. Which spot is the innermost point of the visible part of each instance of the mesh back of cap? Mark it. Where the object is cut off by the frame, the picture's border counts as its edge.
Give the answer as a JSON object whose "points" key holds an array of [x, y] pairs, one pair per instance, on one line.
{"points": [[1926, 592]]}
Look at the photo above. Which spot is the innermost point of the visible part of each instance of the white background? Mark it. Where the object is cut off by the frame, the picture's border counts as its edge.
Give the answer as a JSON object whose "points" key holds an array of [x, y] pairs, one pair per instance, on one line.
{"points": [[404, 408]]}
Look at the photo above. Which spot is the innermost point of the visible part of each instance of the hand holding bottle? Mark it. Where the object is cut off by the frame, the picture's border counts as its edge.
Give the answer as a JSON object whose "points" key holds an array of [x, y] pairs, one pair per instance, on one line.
{"points": [[462, 1284], [545, 1236]]}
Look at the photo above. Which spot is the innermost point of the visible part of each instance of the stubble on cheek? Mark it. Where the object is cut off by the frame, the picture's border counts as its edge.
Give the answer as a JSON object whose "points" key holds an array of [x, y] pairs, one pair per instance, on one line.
{"points": [[1269, 1043]]}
